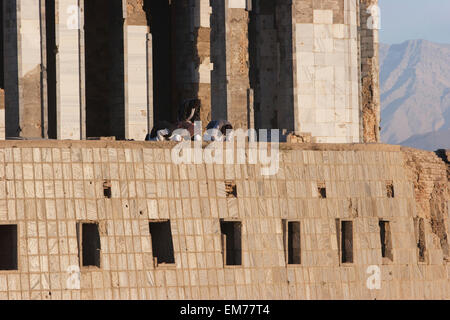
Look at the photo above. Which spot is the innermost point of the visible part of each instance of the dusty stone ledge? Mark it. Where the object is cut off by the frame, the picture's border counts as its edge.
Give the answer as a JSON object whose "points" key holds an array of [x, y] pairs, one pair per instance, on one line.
{"points": [[169, 145]]}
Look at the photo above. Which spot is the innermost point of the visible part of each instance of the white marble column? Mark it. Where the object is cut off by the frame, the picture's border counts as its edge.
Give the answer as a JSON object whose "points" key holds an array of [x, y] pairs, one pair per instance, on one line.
{"points": [[22, 61], [327, 76], [70, 70], [138, 77]]}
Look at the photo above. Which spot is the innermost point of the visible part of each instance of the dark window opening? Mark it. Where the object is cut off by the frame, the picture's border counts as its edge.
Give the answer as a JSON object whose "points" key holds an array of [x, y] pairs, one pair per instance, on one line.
{"points": [[292, 241], [231, 242], [162, 243], [386, 240], [10, 51], [230, 189], [347, 241], [160, 19], [90, 245], [322, 190], [51, 51], [107, 189], [266, 62], [8, 247], [104, 59], [390, 189], [2, 69], [419, 224]]}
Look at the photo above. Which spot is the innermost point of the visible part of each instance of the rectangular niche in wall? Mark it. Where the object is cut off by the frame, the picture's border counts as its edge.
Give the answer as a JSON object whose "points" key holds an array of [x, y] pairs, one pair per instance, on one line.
{"points": [[230, 189], [8, 247], [386, 240], [390, 192], [162, 243], [90, 244], [292, 241], [231, 242], [322, 190], [346, 241], [419, 226], [107, 193]]}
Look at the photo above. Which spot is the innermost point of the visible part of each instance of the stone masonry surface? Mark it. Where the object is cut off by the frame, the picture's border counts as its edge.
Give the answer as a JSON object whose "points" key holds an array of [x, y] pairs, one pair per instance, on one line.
{"points": [[47, 187]]}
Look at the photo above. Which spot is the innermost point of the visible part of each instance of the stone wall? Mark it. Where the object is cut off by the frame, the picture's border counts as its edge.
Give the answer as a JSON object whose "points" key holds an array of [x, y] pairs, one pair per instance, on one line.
{"points": [[327, 70], [305, 60], [194, 54], [370, 71], [46, 188], [431, 193], [237, 55]]}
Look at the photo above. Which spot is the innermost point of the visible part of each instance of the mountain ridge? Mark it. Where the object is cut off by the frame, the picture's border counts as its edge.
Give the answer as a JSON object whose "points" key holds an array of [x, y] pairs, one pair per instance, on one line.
{"points": [[415, 91]]}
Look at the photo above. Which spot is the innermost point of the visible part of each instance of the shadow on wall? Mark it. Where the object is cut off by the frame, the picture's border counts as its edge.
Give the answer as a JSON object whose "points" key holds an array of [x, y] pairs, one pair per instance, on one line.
{"points": [[271, 64], [159, 19], [175, 55], [105, 91]]}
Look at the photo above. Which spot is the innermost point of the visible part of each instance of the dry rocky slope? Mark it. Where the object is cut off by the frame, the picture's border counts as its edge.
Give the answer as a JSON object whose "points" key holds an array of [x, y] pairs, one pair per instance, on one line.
{"points": [[415, 94]]}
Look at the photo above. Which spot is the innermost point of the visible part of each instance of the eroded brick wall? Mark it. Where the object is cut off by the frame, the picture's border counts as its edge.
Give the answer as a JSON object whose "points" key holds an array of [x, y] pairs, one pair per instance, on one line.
{"points": [[237, 53], [370, 72], [431, 187], [136, 14]]}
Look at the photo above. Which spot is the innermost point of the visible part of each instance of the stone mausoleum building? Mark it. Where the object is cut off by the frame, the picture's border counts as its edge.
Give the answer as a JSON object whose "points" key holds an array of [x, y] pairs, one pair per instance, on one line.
{"points": [[345, 217]]}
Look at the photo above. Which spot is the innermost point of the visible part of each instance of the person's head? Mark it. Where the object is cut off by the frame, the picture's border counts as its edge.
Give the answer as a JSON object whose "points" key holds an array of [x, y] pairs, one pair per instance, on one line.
{"points": [[162, 129], [189, 126], [218, 130], [190, 110]]}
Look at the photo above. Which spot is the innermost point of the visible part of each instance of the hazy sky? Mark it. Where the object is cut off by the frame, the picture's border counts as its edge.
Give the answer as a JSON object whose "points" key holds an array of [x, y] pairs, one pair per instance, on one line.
{"points": [[415, 19]]}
